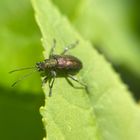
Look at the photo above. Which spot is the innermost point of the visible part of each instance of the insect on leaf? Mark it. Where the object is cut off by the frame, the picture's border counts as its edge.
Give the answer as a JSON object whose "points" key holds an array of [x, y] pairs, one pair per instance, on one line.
{"points": [[107, 112]]}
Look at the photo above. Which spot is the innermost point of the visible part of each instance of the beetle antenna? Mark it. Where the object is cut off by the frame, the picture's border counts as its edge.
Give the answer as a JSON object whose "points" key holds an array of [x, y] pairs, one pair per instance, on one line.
{"points": [[22, 78], [21, 69]]}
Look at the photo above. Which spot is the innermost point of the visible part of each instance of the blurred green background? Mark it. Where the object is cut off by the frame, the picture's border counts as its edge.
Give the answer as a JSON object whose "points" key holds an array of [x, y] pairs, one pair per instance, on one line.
{"points": [[113, 27]]}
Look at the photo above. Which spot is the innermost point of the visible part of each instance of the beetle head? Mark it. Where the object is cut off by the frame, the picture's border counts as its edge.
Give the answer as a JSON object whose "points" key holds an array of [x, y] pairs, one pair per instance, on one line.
{"points": [[40, 66]]}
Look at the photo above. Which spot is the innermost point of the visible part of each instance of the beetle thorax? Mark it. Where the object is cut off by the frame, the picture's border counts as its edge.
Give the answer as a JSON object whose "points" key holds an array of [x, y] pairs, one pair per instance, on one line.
{"points": [[46, 65], [50, 63]]}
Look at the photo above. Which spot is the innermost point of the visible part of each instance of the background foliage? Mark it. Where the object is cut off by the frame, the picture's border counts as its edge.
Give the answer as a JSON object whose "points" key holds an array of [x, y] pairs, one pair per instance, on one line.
{"points": [[115, 33]]}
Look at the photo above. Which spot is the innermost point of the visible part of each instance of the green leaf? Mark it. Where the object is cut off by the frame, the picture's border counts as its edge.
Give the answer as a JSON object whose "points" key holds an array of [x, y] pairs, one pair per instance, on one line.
{"points": [[106, 24], [107, 112], [69, 8], [110, 26]]}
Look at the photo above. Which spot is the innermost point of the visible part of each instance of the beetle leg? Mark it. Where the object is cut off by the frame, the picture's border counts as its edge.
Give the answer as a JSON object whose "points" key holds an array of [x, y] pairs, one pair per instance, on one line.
{"points": [[44, 81], [81, 83], [71, 46], [51, 82], [73, 84], [52, 49]]}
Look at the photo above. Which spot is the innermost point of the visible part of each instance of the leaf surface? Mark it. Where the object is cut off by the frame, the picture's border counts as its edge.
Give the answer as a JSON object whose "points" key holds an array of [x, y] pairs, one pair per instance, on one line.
{"points": [[107, 112]]}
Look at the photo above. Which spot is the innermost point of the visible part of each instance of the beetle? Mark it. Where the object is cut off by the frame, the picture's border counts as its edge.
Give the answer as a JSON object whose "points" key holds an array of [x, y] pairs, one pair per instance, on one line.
{"points": [[57, 66]]}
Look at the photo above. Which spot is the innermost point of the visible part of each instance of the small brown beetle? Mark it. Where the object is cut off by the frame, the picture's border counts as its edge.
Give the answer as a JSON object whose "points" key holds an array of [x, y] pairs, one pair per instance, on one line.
{"points": [[57, 66]]}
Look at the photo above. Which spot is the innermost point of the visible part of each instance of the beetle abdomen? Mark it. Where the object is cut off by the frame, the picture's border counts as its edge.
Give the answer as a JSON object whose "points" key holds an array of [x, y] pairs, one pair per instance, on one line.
{"points": [[68, 63]]}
